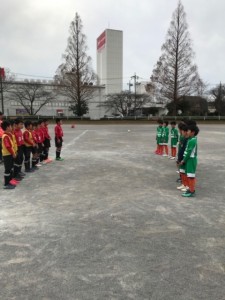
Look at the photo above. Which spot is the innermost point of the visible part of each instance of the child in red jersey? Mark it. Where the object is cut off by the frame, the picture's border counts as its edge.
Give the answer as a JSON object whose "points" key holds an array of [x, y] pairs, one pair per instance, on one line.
{"points": [[1, 134], [41, 134], [18, 162], [29, 143], [47, 143], [8, 154], [58, 138], [34, 149]]}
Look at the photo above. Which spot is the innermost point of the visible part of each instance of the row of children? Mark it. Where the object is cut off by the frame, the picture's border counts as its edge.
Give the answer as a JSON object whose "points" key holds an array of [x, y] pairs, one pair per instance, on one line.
{"points": [[30, 146], [187, 151]]}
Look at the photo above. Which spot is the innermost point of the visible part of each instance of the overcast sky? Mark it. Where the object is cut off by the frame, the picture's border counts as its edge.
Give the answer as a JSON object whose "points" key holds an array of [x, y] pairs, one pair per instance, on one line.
{"points": [[34, 33]]}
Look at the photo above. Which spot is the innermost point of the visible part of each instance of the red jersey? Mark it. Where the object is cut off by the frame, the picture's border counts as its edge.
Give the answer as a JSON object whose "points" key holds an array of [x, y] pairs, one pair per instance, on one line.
{"points": [[47, 136], [41, 134], [1, 130], [34, 135], [58, 131], [28, 139], [19, 137]]}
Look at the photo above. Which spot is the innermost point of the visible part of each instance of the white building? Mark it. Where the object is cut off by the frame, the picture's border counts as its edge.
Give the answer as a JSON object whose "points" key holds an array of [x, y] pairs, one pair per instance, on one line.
{"points": [[110, 60], [57, 107]]}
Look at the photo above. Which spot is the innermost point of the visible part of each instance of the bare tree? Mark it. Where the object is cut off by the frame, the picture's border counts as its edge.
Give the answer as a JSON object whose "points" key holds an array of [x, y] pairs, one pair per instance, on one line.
{"points": [[175, 74], [126, 102], [76, 72], [31, 96], [218, 93]]}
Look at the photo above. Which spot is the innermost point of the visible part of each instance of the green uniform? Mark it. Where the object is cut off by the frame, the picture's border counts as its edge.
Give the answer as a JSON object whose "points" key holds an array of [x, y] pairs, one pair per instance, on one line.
{"points": [[159, 135], [181, 139], [174, 137], [190, 157], [165, 135]]}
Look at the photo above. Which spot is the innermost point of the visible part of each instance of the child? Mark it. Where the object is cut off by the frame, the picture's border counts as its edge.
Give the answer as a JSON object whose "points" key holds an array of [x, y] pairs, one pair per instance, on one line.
{"points": [[20, 152], [34, 149], [58, 138], [182, 146], [29, 143], [47, 143], [174, 139], [41, 138], [159, 132], [8, 154], [165, 137], [190, 159], [1, 134]]}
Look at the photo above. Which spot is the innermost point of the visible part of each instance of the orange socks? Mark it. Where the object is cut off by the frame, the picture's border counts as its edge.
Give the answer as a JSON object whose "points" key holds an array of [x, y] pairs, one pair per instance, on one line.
{"points": [[191, 184]]}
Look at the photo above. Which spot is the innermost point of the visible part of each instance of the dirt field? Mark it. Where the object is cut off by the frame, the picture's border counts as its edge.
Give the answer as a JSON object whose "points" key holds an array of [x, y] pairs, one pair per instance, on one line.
{"points": [[109, 223]]}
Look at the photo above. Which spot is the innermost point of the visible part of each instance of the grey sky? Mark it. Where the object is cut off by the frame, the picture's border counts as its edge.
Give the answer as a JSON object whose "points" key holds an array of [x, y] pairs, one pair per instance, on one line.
{"points": [[34, 33]]}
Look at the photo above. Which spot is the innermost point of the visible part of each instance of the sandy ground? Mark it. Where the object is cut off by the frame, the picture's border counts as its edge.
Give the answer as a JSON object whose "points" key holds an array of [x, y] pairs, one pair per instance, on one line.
{"points": [[108, 222]]}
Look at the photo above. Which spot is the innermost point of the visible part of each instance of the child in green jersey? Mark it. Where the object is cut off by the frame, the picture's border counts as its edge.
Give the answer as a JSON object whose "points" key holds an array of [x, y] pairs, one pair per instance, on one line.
{"points": [[165, 137], [174, 139], [159, 132], [190, 160]]}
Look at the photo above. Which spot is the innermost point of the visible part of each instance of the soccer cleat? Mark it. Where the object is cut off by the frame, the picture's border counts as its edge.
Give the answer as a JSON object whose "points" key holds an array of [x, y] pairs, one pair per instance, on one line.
{"points": [[48, 160], [12, 182], [9, 187], [165, 155], [38, 165], [184, 189], [188, 194], [181, 187], [59, 159], [172, 157], [29, 171]]}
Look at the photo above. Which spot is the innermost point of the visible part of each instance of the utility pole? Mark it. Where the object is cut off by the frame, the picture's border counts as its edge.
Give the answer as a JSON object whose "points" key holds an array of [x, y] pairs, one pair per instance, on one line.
{"points": [[135, 77], [2, 75], [130, 85]]}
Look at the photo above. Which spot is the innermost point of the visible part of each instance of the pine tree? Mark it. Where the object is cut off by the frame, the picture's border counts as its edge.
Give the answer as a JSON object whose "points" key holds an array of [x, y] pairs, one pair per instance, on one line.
{"points": [[76, 73], [175, 74]]}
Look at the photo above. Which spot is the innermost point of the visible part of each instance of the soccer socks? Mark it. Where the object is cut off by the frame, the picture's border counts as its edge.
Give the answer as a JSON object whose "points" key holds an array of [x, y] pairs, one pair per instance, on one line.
{"points": [[58, 153], [191, 184]]}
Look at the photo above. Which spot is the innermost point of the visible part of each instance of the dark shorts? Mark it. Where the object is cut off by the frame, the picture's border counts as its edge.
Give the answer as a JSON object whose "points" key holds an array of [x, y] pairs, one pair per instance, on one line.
{"points": [[47, 143], [58, 142], [34, 150]]}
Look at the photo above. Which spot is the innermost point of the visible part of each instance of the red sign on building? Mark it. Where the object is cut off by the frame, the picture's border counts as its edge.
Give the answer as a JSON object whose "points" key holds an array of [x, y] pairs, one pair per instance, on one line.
{"points": [[101, 40], [2, 72]]}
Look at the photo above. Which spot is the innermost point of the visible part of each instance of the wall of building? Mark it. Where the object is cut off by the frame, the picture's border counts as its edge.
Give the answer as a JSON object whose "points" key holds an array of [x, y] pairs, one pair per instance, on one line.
{"points": [[60, 104]]}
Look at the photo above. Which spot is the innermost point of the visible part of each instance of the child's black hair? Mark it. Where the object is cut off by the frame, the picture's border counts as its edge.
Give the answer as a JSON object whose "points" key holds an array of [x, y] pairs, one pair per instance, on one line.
{"points": [[17, 121], [12, 122], [57, 120], [27, 123], [194, 128], [181, 124], [183, 127], [5, 124], [35, 124], [173, 123], [40, 121], [166, 122]]}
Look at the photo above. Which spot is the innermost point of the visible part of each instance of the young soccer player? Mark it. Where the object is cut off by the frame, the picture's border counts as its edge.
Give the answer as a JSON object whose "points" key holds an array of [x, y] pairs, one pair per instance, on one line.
{"points": [[41, 138], [29, 143], [159, 132], [20, 152], [1, 134], [58, 139], [165, 138], [34, 148], [190, 160], [8, 154], [182, 146], [47, 143], [174, 139]]}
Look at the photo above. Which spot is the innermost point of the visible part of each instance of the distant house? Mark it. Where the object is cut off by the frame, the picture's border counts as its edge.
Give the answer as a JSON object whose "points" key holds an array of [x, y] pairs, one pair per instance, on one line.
{"points": [[193, 105]]}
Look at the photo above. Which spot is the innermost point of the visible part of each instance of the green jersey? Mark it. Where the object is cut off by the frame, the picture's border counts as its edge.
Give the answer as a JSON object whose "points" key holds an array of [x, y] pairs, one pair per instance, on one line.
{"points": [[174, 137], [159, 133], [190, 157], [165, 135]]}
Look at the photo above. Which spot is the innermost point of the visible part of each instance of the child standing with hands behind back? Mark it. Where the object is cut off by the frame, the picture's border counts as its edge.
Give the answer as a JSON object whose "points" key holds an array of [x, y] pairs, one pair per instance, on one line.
{"points": [[174, 139]]}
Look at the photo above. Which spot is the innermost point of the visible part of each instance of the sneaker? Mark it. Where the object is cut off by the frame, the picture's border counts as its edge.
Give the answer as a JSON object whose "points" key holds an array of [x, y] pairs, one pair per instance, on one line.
{"points": [[184, 189], [59, 159], [9, 187], [188, 194], [22, 174], [48, 160], [38, 165], [29, 171], [172, 157], [165, 155], [13, 182], [181, 187]]}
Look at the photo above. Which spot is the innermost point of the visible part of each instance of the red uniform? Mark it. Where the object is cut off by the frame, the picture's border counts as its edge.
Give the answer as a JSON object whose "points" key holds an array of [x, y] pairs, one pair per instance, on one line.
{"points": [[19, 137], [58, 131]]}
